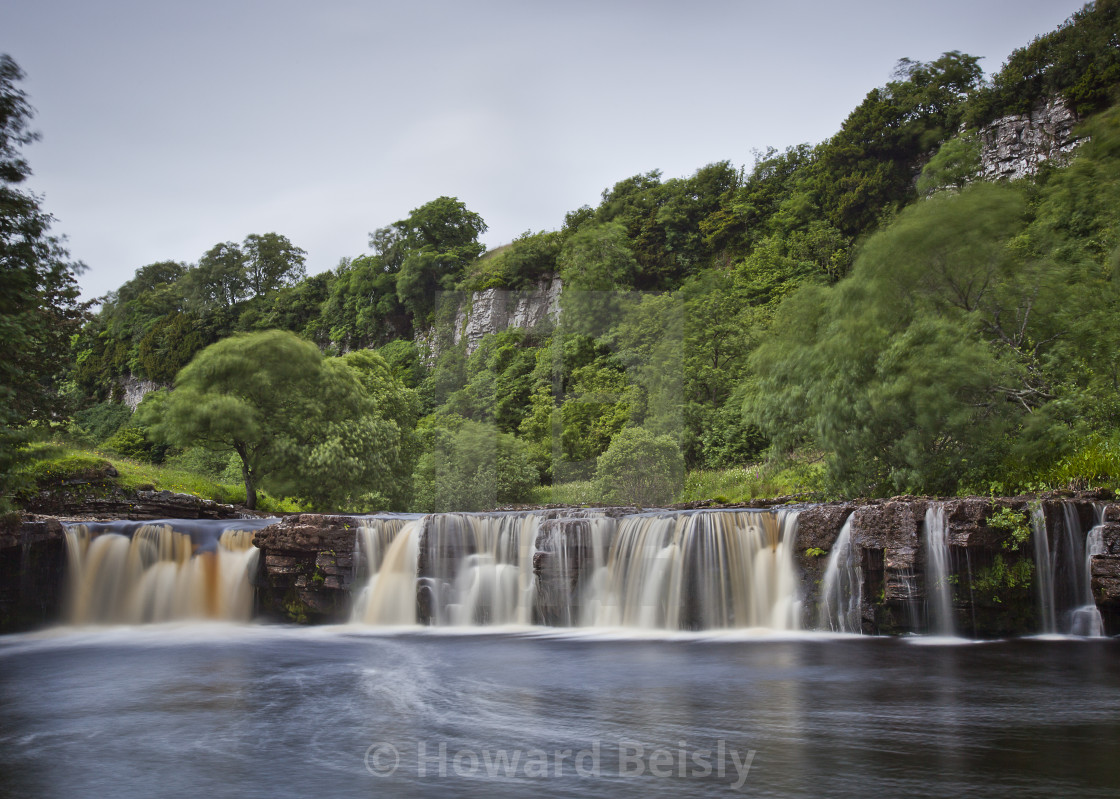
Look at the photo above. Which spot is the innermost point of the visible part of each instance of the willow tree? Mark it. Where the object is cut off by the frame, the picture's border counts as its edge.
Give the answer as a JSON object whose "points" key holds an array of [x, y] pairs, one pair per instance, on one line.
{"points": [[308, 425]]}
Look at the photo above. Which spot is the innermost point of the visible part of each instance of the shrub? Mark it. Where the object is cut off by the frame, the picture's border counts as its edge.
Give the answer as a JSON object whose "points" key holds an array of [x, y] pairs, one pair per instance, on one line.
{"points": [[640, 468], [473, 467]]}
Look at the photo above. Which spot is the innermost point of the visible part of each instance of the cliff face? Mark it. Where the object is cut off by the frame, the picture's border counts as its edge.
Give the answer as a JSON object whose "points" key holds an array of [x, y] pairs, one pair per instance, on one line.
{"points": [[133, 390], [1014, 146], [495, 310]]}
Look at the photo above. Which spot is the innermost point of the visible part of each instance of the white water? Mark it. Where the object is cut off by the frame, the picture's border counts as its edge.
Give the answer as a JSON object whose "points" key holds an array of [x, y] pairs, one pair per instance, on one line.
{"points": [[679, 571], [939, 590], [155, 575], [389, 597], [842, 587], [1044, 573], [1063, 569]]}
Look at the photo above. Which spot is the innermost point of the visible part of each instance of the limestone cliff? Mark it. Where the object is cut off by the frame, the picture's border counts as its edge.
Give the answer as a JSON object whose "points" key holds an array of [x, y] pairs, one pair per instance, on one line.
{"points": [[1014, 146]]}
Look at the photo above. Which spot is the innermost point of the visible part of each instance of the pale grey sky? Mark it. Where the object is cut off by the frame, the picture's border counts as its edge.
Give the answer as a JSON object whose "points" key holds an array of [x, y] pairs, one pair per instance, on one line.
{"points": [[170, 127]]}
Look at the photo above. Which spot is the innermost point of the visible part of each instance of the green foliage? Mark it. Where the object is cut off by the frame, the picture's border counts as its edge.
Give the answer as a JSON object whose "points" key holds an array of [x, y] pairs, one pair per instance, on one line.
{"points": [[885, 372], [597, 258], [956, 163], [430, 251], [363, 308], [132, 442], [67, 467], [168, 346], [640, 468], [815, 552], [96, 423], [1015, 524], [470, 465], [1001, 581], [403, 357], [1079, 60], [39, 307], [310, 427], [530, 258]]}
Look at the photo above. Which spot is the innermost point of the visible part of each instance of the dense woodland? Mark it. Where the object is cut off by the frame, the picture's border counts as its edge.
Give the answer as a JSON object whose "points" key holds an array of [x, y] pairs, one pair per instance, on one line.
{"points": [[862, 316]]}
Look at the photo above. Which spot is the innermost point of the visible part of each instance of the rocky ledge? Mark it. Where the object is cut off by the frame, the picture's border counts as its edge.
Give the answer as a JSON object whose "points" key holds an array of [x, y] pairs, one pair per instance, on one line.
{"points": [[306, 568], [77, 501], [308, 561]]}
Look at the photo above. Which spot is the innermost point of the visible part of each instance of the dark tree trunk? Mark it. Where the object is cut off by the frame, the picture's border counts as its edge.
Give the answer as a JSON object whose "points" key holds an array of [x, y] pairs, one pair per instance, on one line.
{"points": [[247, 475]]}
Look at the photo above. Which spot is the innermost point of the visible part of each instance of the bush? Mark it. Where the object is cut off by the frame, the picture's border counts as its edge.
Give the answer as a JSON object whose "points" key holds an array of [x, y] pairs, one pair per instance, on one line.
{"points": [[472, 467], [640, 468], [95, 424], [132, 442]]}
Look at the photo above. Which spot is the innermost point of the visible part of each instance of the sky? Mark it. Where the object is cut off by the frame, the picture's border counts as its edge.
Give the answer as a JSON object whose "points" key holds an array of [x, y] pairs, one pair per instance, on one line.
{"points": [[170, 127]]}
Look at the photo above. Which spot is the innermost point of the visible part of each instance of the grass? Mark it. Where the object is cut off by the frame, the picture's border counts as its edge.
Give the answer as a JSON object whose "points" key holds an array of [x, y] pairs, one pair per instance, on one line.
{"points": [[744, 483], [54, 463], [579, 492]]}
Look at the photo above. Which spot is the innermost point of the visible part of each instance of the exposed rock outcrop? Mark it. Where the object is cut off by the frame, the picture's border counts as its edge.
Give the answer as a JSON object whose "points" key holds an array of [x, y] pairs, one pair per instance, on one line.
{"points": [[94, 500], [495, 310], [1014, 146], [306, 568], [133, 390]]}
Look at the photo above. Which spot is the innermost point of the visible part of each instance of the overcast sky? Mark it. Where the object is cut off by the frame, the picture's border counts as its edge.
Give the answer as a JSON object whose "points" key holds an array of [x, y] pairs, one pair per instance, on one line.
{"points": [[170, 127]]}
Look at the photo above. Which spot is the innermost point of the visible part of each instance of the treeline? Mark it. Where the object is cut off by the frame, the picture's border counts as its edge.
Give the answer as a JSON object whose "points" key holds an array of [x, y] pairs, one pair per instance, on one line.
{"points": [[860, 310]]}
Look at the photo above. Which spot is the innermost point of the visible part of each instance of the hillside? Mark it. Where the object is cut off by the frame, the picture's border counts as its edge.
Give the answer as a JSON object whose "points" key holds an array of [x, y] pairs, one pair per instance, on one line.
{"points": [[926, 302]]}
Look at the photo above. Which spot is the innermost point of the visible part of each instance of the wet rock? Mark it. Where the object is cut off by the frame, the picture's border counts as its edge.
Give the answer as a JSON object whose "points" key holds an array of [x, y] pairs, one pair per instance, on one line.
{"points": [[32, 574], [306, 567]]}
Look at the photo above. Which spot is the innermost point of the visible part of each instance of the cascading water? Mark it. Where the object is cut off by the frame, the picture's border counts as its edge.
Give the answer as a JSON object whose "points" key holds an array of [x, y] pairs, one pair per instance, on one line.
{"points": [[666, 571], [1044, 572], [389, 596], [154, 573], [451, 569], [1086, 619], [1063, 568], [699, 571], [939, 590], [842, 587]]}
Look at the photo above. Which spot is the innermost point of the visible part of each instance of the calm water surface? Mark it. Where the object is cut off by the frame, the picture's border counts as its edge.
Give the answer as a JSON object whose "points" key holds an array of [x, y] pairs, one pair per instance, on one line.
{"points": [[254, 711]]}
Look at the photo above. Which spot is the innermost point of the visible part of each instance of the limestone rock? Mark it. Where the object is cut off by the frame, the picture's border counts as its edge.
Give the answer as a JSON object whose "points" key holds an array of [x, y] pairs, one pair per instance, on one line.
{"points": [[495, 310], [1013, 146]]}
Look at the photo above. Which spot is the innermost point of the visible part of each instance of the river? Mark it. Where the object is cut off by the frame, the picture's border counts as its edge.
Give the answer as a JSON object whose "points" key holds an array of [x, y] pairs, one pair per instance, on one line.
{"points": [[215, 710]]}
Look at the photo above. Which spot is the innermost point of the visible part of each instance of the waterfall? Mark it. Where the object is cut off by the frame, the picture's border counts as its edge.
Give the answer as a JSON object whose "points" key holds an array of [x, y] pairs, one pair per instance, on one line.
{"points": [[939, 590], [1044, 572], [154, 573], [698, 571], [1063, 568], [1086, 618], [842, 587], [389, 596], [451, 569], [663, 571], [572, 575]]}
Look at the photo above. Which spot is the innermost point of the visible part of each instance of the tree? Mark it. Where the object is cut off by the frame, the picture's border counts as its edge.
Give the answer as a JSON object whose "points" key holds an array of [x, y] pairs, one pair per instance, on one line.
{"points": [[39, 307], [298, 421], [429, 250], [220, 280], [271, 262], [641, 468], [469, 466]]}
